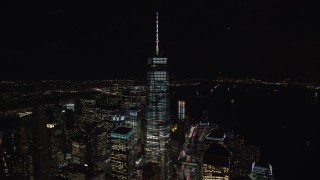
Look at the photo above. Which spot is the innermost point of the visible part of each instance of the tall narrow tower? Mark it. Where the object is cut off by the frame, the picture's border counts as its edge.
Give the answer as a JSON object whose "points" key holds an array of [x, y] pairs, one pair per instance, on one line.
{"points": [[157, 148]]}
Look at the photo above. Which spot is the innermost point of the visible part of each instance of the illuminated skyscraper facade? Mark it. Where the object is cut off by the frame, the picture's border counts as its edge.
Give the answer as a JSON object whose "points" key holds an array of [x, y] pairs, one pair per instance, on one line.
{"points": [[181, 110], [123, 153], [157, 148]]}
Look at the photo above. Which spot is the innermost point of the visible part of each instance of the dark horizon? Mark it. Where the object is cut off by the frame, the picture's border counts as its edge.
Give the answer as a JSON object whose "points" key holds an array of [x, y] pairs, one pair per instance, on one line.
{"points": [[265, 39]]}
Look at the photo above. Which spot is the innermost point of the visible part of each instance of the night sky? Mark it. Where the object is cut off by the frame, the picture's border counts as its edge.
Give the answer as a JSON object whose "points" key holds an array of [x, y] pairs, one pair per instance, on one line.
{"points": [[105, 40]]}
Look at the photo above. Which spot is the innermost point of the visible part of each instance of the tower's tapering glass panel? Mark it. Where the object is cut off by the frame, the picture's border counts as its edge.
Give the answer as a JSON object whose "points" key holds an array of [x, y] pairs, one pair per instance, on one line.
{"points": [[157, 148], [158, 121]]}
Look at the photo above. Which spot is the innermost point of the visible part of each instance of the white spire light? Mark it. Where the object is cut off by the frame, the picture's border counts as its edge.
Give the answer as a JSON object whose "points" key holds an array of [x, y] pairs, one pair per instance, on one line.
{"points": [[157, 36]]}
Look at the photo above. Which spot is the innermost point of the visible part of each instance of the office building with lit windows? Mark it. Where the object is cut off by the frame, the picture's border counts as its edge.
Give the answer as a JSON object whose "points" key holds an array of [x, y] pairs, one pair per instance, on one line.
{"points": [[133, 120], [122, 153], [157, 148], [181, 110], [16, 146], [216, 163], [79, 150]]}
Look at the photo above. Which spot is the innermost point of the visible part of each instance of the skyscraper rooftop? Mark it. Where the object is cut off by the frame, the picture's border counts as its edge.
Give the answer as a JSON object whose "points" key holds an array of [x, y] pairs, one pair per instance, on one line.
{"points": [[122, 132]]}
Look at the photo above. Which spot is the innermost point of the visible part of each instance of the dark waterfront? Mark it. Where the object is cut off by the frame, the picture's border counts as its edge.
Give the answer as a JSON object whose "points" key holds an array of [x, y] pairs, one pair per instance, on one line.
{"points": [[281, 120]]}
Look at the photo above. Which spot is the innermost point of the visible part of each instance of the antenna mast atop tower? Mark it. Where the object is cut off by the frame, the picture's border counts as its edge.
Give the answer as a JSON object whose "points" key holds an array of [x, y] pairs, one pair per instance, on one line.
{"points": [[157, 35]]}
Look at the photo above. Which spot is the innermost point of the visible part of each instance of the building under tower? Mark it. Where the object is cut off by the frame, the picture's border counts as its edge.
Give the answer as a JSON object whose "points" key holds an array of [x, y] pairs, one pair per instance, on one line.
{"points": [[157, 147], [123, 153]]}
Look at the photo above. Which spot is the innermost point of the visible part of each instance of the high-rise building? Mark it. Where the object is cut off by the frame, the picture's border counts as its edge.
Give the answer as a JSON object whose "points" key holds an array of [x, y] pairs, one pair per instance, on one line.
{"points": [[68, 115], [157, 117], [259, 171], [181, 110], [122, 153], [102, 140], [88, 112], [16, 146], [55, 139], [79, 150], [216, 163], [40, 149], [133, 120]]}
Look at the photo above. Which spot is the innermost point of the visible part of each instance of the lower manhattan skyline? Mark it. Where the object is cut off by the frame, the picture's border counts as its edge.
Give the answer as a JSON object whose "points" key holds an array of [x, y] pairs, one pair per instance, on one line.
{"points": [[206, 90]]}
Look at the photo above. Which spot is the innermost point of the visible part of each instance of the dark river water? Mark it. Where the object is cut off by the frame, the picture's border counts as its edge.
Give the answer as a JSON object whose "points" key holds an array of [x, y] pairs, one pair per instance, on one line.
{"points": [[281, 120]]}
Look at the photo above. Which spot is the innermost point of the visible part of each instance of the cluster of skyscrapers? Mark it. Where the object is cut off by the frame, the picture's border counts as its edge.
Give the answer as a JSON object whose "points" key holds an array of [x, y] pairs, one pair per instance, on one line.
{"points": [[121, 135]]}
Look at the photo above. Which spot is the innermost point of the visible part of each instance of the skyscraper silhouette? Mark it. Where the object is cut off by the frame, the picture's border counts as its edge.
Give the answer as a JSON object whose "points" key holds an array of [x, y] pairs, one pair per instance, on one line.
{"points": [[157, 149]]}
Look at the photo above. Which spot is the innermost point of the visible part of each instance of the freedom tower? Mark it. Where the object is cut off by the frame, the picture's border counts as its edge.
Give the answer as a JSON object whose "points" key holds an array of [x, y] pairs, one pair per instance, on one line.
{"points": [[157, 148]]}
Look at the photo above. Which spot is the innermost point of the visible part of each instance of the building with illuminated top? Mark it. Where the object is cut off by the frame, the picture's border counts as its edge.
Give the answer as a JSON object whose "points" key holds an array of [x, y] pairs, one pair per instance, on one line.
{"points": [[181, 110], [122, 153], [157, 148], [133, 120], [261, 171]]}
